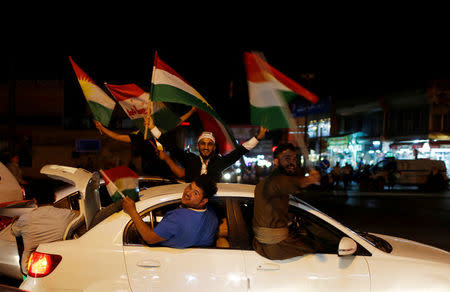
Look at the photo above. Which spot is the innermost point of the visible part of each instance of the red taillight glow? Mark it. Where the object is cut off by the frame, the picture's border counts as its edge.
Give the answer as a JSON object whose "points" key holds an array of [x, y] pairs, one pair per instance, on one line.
{"points": [[42, 264]]}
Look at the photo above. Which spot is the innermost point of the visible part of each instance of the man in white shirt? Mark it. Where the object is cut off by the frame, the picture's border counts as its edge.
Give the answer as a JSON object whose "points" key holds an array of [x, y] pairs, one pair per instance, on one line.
{"points": [[43, 224]]}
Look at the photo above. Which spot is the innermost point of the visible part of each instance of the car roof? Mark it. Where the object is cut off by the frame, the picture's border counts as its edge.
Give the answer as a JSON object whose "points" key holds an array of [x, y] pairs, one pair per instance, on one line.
{"points": [[224, 190]]}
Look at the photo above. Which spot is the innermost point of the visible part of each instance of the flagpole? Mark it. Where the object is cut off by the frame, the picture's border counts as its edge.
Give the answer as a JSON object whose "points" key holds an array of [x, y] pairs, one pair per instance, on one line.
{"points": [[105, 84], [104, 175], [150, 103]]}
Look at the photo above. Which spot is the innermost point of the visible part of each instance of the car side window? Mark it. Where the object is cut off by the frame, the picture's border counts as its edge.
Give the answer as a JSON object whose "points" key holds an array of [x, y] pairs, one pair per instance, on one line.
{"points": [[151, 216], [154, 215], [323, 234], [302, 224]]}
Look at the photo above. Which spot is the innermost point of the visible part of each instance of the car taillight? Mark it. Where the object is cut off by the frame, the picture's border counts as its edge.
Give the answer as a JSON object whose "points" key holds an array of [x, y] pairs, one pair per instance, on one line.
{"points": [[42, 264]]}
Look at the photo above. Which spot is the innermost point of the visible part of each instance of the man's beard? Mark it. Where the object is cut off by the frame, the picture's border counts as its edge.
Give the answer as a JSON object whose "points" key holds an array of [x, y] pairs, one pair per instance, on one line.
{"points": [[285, 171], [206, 157]]}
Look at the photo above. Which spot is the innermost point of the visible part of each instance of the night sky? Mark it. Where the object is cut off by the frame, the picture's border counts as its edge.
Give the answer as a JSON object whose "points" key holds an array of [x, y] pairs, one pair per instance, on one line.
{"points": [[345, 68]]}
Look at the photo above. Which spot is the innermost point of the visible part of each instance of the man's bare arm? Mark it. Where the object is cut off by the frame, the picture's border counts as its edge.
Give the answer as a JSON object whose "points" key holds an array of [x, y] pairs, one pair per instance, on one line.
{"points": [[144, 230], [113, 135]]}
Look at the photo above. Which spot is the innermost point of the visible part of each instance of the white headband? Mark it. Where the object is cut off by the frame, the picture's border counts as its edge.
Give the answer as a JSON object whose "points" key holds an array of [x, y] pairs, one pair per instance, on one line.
{"points": [[208, 135]]}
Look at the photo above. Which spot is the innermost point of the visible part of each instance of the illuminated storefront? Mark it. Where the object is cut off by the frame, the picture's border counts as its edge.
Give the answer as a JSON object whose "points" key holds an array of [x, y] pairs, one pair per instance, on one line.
{"points": [[344, 149], [318, 131]]}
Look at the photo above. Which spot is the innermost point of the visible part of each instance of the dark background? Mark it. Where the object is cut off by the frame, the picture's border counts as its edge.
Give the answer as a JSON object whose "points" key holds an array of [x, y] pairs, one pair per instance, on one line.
{"points": [[346, 68]]}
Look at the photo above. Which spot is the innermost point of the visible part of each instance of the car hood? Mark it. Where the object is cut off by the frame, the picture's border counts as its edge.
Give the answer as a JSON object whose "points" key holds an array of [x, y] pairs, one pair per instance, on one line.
{"points": [[411, 249]]}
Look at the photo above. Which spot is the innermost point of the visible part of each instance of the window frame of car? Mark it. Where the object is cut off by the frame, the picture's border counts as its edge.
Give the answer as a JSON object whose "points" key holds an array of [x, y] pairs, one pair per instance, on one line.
{"points": [[230, 212], [240, 231], [361, 251]]}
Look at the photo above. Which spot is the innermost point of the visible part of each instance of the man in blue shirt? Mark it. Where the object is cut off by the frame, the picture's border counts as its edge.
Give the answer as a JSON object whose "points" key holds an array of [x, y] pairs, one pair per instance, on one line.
{"points": [[193, 224]]}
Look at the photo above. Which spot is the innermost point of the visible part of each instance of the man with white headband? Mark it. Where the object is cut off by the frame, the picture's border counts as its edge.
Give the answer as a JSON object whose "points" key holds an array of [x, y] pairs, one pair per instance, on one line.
{"points": [[208, 162]]}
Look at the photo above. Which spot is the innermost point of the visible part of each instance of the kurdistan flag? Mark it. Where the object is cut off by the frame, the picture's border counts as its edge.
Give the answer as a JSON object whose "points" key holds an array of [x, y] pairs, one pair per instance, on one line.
{"points": [[134, 101], [99, 102], [169, 86], [120, 181], [269, 92]]}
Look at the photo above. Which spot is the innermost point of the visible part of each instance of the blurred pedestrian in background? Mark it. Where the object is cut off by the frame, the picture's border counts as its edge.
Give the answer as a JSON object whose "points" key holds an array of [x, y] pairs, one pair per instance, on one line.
{"points": [[14, 167]]}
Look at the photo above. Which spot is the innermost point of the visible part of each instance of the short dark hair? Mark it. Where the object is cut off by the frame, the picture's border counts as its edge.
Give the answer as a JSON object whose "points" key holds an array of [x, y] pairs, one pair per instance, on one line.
{"points": [[283, 147], [207, 184], [43, 192]]}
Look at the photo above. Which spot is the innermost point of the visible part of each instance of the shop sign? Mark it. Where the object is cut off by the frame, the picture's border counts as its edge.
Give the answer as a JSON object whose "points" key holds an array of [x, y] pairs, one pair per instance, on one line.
{"points": [[400, 146], [338, 141]]}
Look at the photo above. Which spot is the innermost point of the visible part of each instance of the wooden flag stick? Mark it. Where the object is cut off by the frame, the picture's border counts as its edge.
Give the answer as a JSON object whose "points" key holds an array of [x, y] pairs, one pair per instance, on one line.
{"points": [[150, 102]]}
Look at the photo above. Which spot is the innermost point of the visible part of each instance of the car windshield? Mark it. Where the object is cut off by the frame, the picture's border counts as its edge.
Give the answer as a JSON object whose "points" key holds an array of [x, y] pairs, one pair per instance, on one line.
{"points": [[375, 241]]}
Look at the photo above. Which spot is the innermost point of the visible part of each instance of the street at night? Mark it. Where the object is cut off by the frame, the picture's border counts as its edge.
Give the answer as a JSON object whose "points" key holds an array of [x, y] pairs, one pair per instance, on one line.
{"points": [[411, 214], [157, 151]]}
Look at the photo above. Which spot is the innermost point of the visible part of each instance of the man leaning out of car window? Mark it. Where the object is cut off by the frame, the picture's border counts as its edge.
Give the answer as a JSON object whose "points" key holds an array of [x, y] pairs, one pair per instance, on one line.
{"points": [[193, 224]]}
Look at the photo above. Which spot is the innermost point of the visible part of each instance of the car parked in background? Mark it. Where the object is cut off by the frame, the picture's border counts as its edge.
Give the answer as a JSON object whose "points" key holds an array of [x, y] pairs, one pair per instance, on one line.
{"points": [[106, 252], [412, 172]]}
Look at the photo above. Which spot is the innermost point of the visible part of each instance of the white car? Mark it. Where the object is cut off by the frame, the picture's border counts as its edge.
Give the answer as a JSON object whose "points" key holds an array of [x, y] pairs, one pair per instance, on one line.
{"points": [[67, 196], [107, 254]]}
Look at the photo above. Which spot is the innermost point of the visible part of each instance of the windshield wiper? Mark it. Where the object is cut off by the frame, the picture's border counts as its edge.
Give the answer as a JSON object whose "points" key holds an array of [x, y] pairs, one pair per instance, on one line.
{"points": [[379, 243]]}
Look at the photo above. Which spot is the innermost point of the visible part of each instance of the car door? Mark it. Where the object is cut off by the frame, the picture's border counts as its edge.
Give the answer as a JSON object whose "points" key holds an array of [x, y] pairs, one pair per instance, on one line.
{"points": [[169, 269], [322, 271]]}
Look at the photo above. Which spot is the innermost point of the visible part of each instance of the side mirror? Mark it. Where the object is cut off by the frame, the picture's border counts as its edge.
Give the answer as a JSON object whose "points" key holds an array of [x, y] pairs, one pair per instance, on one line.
{"points": [[347, 246]]}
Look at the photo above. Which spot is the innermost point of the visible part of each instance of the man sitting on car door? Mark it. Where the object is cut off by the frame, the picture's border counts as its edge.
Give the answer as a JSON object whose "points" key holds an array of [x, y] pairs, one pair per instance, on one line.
{"points": [[193, 224], [271, 219]]}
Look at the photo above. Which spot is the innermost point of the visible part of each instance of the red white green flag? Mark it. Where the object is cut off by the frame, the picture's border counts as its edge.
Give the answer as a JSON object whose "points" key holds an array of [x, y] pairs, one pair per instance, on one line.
{"points": [[269, 92], [134, 101], [169, 86], [131, 98], [99, 102], [121, 181]]}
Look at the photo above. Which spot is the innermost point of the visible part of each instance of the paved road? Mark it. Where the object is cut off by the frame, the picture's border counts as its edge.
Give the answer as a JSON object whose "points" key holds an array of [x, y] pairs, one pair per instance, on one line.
{"points": [[407, 213]]}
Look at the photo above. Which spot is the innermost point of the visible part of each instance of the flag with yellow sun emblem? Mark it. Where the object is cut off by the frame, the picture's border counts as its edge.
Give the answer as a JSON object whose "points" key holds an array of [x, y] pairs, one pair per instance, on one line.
{"points": [[99, 102]]}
